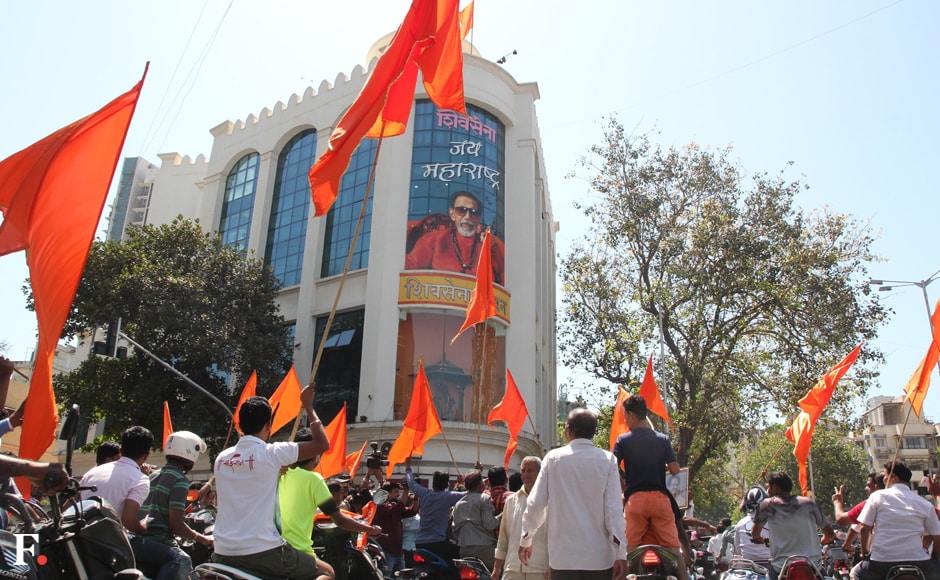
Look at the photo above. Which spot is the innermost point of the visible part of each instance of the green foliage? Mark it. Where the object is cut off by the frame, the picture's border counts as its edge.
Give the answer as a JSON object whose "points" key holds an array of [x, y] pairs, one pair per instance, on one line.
{"points": [[201, 306], [753, 298], [835, 461], [711, 495]]}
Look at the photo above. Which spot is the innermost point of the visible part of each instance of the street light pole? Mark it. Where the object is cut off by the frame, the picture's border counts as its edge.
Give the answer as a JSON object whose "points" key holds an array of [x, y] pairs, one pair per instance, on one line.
{"points": [[887, 285]]}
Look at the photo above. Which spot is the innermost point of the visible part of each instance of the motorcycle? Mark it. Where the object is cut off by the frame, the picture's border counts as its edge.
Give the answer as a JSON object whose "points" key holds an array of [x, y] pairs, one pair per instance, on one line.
{"points": [[431, 566], [336, 547], [651, 562], [799, 568], [744, 569]]}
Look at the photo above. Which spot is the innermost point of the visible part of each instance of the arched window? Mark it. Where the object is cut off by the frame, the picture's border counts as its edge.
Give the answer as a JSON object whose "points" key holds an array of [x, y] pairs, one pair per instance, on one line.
{"points": [[342, 217], [239, 200], [287, 231]]}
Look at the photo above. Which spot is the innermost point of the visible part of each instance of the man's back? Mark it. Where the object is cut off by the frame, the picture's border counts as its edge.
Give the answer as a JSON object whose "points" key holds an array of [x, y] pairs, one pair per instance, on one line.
{"points": [[744, 547], [117, 482], [645, 454], [585, 521], [299, 493], [168, 490], [793, 522], [434, 509], [900, 518]]}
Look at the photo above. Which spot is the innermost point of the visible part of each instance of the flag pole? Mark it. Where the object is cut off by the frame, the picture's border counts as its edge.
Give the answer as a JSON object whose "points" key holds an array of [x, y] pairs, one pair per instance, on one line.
{"points": [[479, 397], [897, 449], [342, 279], [449, 450], [536, 433]]}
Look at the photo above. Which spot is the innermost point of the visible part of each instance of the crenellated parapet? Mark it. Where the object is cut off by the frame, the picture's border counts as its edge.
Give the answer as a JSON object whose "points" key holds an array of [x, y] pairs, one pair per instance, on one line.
{"points": [[177, 160]]}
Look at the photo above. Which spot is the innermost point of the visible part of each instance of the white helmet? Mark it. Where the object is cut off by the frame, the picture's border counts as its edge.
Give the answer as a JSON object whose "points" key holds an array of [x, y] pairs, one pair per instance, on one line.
{"points": [[185, 445]]}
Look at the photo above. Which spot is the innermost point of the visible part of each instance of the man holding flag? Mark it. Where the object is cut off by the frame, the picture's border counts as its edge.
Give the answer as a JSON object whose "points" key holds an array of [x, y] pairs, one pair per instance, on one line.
{"points": [[646, 455]]}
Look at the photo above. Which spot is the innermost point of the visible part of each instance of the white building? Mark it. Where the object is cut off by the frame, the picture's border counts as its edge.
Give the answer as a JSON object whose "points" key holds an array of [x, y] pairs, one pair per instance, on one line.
{"points": [[253, 190], [881, 435]]}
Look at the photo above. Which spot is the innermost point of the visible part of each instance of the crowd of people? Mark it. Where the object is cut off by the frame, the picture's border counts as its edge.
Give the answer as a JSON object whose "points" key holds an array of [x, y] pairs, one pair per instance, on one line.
{"points": [[575, 513]]}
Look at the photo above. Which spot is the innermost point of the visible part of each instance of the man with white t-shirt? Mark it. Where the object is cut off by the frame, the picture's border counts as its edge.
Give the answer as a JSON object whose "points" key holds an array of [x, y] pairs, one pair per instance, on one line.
{"points": [[902, 517], [121, 483], [246, 533]]}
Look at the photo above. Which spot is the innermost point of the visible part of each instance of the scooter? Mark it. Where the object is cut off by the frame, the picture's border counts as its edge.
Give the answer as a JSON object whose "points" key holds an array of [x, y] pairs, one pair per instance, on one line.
{"points": [[335, 546], [744, 569], [83, 541]]}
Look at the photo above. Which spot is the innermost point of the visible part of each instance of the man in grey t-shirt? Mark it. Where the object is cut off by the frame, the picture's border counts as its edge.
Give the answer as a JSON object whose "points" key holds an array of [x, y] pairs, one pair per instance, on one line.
{"points": [[793, 520]]}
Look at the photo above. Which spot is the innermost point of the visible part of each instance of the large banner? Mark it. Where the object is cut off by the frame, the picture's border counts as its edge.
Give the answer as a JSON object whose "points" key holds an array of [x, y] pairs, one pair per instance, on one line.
{"points": [[457, 178]]}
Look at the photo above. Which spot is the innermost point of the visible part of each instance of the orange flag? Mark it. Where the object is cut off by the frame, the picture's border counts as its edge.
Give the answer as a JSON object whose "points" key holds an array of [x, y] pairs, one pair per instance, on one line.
{"points": [[354, 459], [285, 402], [428, 39], [650, 393], [512, 411], [167, 425], [482, 303], [916, 387], [618, 423], [248, 391], [334, 461], [51, 197], [812, 405], [466, 20], [421, 424]]}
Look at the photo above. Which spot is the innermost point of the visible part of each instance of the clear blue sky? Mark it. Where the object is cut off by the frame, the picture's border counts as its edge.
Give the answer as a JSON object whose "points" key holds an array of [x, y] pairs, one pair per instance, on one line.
{"points": [[847, 90]]}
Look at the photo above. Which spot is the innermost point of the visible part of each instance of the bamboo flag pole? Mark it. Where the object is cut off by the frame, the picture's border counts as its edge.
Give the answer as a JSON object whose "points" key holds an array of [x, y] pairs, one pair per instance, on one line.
{"points": [[536, 433], [897, 450], [479, 390], [342, 280], [452, 458]]}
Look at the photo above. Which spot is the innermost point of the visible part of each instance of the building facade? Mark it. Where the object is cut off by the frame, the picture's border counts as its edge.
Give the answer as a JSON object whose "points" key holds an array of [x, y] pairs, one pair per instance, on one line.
{"points": [[436, 189], [881, 436]]}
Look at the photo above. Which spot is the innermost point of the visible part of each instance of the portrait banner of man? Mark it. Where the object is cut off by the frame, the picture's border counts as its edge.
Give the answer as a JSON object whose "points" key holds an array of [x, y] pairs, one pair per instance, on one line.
{"points": [[679, 487]]}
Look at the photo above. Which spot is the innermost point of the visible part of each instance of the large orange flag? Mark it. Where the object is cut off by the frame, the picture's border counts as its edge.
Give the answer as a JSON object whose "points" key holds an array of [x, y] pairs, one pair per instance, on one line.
{"points": [[812, 405], [650, 393], [353, 460], [916, 387], [167, 425], [334, 461], [428, 39], [466, 20], [482, 303], [248, 391], [285, 402], [420, 424], [618, 423], [51, 197], [512, 411]]}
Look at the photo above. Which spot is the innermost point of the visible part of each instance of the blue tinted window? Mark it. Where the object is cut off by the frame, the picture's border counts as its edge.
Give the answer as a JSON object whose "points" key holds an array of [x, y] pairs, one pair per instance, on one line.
{"points": [[338, 374], [290, 205], [342, 217], [239, 200]]}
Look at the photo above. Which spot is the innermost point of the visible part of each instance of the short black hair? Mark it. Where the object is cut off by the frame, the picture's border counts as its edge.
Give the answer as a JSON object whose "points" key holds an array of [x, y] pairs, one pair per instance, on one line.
{"points": [[136, 442], [637, 405], [497, 475], [107, 451], [781, 480], [515, 481], [254, 415], [880, 480], [583, 423], [899, 469], [334, 486], [391, 485], [440, 480]]}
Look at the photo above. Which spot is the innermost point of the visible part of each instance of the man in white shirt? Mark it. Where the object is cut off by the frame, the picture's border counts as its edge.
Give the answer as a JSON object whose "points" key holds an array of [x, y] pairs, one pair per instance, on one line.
{"points": [[510, 531], [121, 483], [246, 528], [586, 529], [902, 517]]}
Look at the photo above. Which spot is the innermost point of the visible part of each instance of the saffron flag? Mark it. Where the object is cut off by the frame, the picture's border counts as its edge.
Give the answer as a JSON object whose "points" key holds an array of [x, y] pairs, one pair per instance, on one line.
{"points": [[466, 20], [650, 393], [333, 461], [428, 39], [285, 402], [248, 391], [51, 197], [420, 424], [482, 303], [916, 387], [167, 425], [512, 411], [353, 460], [812, 404], [618, 423]]}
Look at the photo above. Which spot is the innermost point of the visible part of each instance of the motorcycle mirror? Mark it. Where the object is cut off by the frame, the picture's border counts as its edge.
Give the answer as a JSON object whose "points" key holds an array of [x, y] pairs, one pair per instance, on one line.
{"points": [[70, 425], [192, 495]]}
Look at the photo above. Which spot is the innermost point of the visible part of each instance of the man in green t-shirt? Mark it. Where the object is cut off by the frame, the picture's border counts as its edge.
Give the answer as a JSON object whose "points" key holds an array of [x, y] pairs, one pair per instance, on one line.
{"points": [[300, 493], [165, 509]]}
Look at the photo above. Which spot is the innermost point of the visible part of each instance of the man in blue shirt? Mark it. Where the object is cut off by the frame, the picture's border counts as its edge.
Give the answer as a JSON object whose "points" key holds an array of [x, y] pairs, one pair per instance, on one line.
{"points": [[434, 509], [646, 455]]}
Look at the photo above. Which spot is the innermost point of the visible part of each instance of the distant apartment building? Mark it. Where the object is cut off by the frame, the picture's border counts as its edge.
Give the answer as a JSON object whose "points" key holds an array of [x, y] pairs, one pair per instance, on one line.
{"points": [[881, 435]]}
